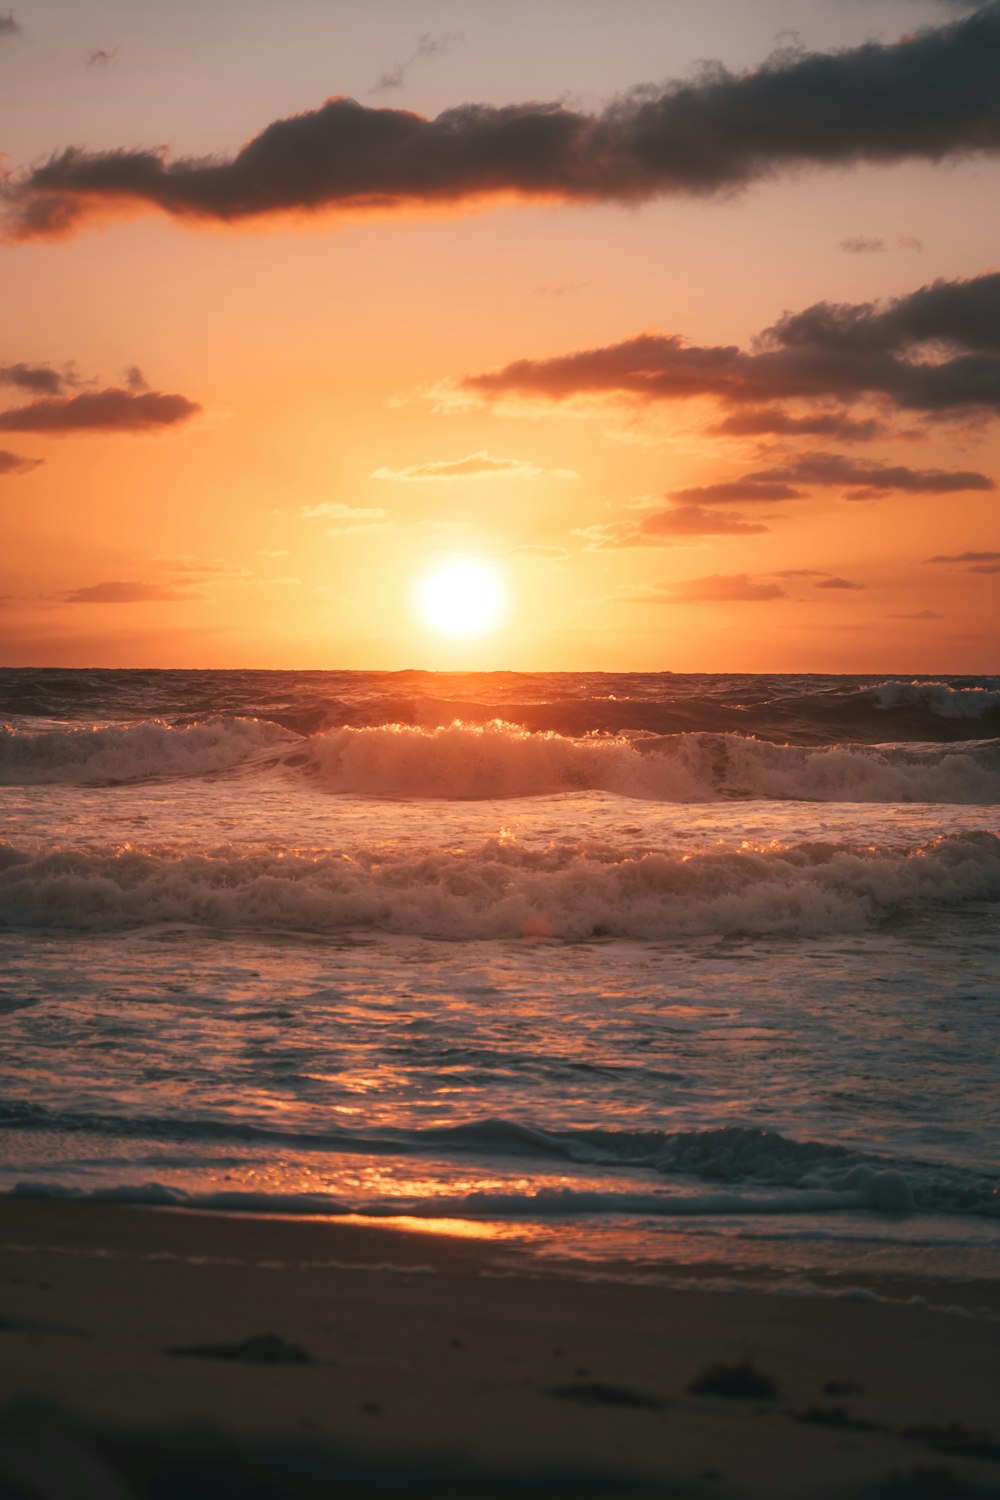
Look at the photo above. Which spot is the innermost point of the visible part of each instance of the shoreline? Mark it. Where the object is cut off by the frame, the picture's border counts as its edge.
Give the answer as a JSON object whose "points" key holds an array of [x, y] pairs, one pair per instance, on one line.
{"points": [[443, 1350]]}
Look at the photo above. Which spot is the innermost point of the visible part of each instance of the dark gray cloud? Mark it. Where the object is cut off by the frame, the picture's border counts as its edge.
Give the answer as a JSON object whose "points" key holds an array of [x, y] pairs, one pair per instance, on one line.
{"points": [[861, 244], [973, 562], [41, 380], [935, 350], [101, 57], [930, 96], [111, 410], [427, 49], [13, 463], [774, 421], [8, 25], [861, 479], [964, 557], [130, 591]]}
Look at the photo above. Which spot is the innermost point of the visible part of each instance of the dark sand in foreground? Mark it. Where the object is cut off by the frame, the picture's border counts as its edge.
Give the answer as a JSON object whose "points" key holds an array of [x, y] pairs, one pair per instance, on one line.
{"points": [[421, 1364]]}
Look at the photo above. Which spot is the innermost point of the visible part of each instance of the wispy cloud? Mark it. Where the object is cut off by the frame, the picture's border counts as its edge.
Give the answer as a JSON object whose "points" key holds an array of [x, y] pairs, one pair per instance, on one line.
{"points": [[9, 26], [664, 528], [973, 562], [558, 288], [480, 465], [428, 47], [13, 463], [862, 244], [131, 591], [347, 518], [715, 588]]}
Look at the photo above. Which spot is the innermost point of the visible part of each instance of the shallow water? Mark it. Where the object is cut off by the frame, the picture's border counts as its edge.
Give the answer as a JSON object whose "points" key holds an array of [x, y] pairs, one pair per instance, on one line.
{"points": [[632, 996]]}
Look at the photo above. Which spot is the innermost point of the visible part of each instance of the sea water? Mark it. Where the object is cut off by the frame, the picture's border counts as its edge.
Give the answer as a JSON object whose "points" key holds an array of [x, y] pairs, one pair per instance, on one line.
{"points": [[641, 970]]}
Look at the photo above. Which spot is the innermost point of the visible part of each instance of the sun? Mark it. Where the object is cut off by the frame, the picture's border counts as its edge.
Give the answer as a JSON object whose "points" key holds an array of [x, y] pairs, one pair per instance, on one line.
{"points": [[461, 598]]}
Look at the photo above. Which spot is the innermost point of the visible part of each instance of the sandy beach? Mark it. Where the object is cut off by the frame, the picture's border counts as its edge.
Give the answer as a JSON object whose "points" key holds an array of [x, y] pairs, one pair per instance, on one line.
{"points": [[428, 1363]]}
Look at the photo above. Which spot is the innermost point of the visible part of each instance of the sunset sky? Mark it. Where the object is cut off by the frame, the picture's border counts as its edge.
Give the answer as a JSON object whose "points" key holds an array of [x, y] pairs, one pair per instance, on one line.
{"points": [[684, 318]]}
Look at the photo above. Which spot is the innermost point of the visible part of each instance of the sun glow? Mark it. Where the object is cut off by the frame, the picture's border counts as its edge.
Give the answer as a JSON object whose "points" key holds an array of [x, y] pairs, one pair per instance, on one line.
{"points": [[461, 598]]}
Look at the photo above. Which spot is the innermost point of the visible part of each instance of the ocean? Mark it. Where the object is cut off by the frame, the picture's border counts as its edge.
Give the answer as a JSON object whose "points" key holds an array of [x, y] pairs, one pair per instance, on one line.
{"points": [[646, 973]]}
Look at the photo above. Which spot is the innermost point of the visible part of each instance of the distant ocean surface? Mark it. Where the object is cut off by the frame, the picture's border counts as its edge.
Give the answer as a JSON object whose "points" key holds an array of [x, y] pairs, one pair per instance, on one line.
{"points": [[633, 969]]}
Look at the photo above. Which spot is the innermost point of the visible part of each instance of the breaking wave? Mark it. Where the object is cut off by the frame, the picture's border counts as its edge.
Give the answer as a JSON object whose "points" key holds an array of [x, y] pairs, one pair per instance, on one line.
{"points": [[110, 754], [574, 889], [501, 760], [938, 698], [731, 1170]]}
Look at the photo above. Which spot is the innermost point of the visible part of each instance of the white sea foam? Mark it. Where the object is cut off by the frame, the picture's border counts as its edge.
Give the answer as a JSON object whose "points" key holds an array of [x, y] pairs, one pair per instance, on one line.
{"points": [[883, 1192], [104, 754], [500, 760], [572, 889], [497, 760], [938, 698]]}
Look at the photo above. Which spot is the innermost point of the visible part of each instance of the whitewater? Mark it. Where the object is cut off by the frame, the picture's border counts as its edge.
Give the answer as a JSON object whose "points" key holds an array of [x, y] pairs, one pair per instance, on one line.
{"points": [[635, 969]]}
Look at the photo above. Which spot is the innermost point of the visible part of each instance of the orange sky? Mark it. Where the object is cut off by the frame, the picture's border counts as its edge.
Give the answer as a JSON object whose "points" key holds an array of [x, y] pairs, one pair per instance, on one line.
{"points": [[278, 516]]}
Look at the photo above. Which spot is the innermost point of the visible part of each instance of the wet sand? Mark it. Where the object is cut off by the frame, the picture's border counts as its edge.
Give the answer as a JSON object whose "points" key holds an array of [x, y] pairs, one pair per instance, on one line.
{"points": [[406, 1362]]}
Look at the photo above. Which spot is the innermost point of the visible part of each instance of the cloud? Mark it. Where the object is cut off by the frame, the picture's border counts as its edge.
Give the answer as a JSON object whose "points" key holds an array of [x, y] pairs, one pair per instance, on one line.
{"points": [[965, 557], [13, 463], [427, 49], [131, 592], [715, 588], [110, 410], [862, 479], [763, 421], [860, 244], [929, 96], [909, 242], [660, 528], [101, 57], [838, 583], [348, 518], [42, 380], [558, 288], [480, 465], [919, 614], [936, 350], [975, 562], [8, 25]]}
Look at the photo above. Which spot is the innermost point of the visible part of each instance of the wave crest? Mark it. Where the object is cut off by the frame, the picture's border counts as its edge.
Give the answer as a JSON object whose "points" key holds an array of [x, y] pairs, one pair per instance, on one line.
{"points": [[938, 698], [108, 754], [500, 760], [502, 889]]}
